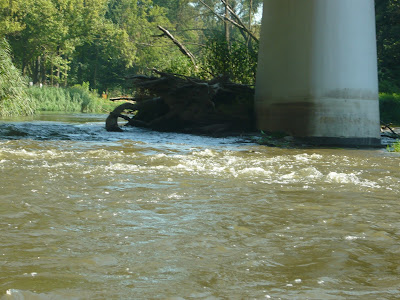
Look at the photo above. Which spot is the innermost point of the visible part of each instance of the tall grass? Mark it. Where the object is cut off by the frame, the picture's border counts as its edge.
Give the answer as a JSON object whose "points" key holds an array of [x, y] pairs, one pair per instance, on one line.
{"points": [[13, 97], [72, 99]]}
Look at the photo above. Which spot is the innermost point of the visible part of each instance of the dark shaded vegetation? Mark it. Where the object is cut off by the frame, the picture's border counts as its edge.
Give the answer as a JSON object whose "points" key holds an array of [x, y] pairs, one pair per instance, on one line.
{"points": [[388, 45], [389, 105]]}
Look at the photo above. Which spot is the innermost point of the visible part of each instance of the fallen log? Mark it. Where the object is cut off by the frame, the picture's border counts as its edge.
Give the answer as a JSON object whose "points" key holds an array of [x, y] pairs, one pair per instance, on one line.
{"points": [[170, 102], [122, 98]]}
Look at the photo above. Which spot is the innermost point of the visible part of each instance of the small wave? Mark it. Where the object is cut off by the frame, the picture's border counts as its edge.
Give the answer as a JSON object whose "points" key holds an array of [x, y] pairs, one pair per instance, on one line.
{"points": [[12, 131], [343, 178], [256, 171], [205, 153]]}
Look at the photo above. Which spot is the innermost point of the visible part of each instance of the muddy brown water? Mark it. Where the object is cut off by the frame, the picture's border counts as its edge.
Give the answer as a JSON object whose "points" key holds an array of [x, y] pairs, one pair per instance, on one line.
{"points": [[87, 214]]}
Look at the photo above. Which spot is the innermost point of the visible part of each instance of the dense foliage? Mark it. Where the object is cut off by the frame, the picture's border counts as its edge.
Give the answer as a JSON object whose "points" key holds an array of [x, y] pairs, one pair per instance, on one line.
{"points": [[389, 105], [388, 44], [67, 42]]}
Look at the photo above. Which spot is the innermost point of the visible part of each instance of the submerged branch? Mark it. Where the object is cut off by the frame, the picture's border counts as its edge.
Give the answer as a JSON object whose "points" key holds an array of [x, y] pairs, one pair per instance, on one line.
{"points": [[393, 133]]}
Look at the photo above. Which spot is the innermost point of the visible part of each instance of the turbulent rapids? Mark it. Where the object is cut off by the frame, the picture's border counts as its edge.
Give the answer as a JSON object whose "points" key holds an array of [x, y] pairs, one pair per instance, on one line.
{"points": [[91, 214]]}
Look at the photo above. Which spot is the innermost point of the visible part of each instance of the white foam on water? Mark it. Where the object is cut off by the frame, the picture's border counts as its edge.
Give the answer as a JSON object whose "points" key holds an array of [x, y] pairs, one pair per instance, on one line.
{"points": [[258, 171], [122, 167], [342, 178], [205, 153], [353, 237], [16, 294], [351, 178]]}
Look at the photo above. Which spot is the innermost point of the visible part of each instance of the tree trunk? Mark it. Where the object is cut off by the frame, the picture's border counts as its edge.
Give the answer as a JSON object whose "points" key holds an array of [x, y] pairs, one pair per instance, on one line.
{"points": [[43, 69], [66, 75], [58, 76], [58, 68], [95, 69], [250, 14], [227, 25], [51, 73], [36, 72]]}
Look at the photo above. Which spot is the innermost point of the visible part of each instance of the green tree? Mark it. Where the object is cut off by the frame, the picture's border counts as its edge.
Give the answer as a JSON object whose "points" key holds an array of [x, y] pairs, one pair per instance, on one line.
{"points": [[38, 47], [236, 61], [10, 15], [120, 42]]}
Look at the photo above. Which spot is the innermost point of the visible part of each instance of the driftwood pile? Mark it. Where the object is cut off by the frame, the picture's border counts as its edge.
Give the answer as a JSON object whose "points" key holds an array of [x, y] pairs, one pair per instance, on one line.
{"points": [[170, 102]]}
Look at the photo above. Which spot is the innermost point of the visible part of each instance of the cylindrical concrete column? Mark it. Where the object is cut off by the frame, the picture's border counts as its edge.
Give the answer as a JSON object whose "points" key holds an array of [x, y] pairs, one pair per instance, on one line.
{"points": [[317, 71]]}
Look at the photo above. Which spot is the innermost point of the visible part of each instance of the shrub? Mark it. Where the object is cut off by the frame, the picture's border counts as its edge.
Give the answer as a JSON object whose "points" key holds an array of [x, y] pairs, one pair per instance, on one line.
{"points": [[179, 65], [239, 62], [13, 97], [387, 86]]}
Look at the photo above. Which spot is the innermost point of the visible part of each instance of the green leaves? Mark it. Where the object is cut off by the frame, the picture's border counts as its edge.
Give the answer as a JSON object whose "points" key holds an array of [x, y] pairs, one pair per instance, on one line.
{"points": [[10, 15], [239, 62]]}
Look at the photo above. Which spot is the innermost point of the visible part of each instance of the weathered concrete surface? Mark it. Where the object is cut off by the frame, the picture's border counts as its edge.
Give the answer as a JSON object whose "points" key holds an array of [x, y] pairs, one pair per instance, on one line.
{"points": [[317, 71]]}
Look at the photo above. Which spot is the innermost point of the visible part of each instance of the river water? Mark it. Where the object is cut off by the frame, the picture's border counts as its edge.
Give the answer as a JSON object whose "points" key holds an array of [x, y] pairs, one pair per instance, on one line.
{"points": [[87, 214]]}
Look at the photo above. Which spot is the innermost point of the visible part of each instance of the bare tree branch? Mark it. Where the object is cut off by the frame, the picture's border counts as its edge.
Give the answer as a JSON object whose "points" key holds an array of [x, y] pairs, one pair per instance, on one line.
{"points": [[242, 25], [217, 15], [238, 23], [222, 18], [181, 47]]}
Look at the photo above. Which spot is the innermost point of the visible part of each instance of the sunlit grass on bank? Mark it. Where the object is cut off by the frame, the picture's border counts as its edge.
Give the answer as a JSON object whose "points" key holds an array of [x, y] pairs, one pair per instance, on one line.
{"points": [[71, 99], [395, 147]]}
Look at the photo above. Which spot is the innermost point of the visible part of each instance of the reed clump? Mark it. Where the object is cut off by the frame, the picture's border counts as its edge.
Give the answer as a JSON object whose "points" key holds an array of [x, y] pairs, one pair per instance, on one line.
{"points": [[71, 99]]}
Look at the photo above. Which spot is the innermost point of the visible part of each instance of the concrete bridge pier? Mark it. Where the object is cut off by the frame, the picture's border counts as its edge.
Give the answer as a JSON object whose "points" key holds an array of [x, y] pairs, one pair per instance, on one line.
{"points": [[317, 71]]}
